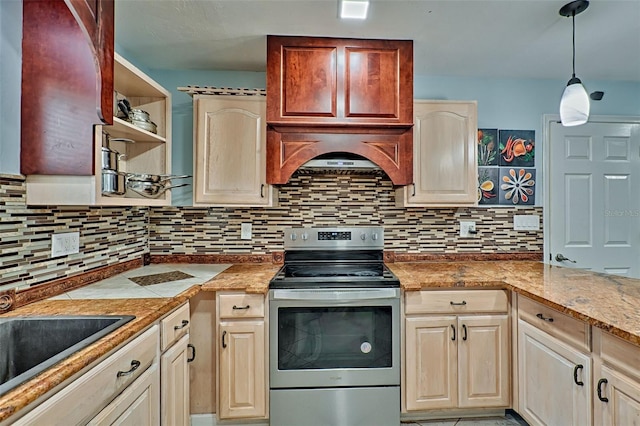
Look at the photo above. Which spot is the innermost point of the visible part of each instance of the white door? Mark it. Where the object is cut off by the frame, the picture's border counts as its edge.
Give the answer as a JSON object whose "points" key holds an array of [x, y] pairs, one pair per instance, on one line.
{"points": [[594, 196]]}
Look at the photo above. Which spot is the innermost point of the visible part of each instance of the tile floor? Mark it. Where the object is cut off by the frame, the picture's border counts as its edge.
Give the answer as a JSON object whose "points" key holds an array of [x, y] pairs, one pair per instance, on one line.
{"points": [[508, 420]]}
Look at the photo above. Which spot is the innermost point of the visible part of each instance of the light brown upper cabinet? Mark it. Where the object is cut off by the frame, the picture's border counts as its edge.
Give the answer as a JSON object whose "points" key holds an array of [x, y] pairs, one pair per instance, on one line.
{"points": [[339, 95], [445, 169], [229, 152]]}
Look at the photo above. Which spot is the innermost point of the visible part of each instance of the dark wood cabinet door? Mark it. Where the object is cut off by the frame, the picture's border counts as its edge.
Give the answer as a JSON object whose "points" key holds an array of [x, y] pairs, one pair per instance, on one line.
{"points": [[329, 95], [331, 81], [63, 90], [288, 148], [309, 82], [96, 20]]}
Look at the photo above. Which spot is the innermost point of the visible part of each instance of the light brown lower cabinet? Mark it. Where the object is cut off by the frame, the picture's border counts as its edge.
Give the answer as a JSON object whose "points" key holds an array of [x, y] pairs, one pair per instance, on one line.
{"points": [[123, 388], [242, 360], [456, 361], [616, 381], [137, 405], [554, 380]]}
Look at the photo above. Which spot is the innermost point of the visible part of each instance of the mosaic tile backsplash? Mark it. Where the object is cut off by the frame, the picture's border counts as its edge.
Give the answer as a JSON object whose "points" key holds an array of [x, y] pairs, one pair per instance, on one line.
{"points": [[112, 235]]}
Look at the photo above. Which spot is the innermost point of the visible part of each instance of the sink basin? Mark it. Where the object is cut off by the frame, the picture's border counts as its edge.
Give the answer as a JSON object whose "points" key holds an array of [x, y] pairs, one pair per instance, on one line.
{"points": [[30, 345]]}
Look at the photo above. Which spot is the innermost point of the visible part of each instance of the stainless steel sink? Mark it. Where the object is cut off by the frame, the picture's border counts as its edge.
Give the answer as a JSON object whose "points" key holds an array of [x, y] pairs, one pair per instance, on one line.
{"points": [[30, 345]]}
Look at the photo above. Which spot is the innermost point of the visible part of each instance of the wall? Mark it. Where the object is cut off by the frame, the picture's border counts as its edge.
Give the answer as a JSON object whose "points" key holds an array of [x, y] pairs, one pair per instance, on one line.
{"points": [[10, 81], [112, 235], [107, 236], [502, 103], [334, 201]]}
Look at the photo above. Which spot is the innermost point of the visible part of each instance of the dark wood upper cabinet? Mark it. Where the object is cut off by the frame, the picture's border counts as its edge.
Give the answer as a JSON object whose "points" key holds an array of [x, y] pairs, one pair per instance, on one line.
{"points": [[339, 95], [67, 83]]}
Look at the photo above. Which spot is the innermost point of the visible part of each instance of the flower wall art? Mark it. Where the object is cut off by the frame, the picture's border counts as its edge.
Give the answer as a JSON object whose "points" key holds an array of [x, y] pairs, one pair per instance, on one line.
{"points": [[506, 167]]}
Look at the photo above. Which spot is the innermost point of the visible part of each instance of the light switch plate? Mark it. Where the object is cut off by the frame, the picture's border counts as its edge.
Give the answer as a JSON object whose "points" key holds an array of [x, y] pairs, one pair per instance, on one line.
{"points": [[66, 243], [245, 231], [526, 222]]}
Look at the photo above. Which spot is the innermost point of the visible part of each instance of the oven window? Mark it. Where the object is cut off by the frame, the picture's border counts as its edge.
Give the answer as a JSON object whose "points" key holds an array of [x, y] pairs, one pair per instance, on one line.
{"points": [[346, 337]]}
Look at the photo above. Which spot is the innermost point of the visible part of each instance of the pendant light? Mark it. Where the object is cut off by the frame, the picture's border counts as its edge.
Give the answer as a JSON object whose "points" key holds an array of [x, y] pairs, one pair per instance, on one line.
{"points": [[574, 104]]}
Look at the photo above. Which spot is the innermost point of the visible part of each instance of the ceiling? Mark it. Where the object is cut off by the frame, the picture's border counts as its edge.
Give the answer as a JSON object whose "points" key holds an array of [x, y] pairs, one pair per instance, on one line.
{"points": [[481, 38]]}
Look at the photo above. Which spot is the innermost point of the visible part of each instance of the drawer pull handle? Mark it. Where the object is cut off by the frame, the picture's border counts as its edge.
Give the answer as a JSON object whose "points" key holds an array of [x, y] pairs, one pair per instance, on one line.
{"points": [[193, 353], [575, 375], [463, 303], [262, 190], [453, 329], [238, 308], [413, 192], [600, 383], [543, 318], [134, 366], [224, 344], [464, 329], [181, 326]]}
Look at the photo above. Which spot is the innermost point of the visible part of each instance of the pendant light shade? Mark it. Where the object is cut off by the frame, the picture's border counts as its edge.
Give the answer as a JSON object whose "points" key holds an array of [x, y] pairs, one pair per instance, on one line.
{"points": [[574, 104]]}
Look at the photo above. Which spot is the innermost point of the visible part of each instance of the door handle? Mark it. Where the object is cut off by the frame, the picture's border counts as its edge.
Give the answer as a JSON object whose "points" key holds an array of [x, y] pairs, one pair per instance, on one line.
{"points": [[561, 258], [453, 329], [464, 330], [224, 334]]}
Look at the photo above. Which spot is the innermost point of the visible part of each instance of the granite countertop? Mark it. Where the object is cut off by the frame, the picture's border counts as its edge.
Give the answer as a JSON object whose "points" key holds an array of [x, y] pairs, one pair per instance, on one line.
{"points": [[146, 311], [609, 302], [606, 301], [251, 278]]}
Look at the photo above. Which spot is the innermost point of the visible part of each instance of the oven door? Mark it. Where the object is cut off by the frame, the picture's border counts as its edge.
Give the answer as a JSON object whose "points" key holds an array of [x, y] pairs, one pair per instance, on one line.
{"points": [[334, 337]]}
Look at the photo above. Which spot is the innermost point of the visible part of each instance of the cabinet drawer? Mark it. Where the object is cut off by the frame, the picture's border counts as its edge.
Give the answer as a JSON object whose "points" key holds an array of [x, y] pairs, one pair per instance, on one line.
{"points": [[620, 354], [84, 397], [241, 305], [568, 329], [455, 301], [174, 326]]}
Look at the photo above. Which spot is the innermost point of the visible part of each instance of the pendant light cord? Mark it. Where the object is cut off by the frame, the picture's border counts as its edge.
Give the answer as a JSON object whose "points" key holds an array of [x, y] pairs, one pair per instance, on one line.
{"points": [[573, 18]]}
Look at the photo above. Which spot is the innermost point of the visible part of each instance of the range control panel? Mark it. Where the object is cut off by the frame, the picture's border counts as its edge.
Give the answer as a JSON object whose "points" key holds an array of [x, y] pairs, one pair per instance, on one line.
{"points": [[351, 238]]}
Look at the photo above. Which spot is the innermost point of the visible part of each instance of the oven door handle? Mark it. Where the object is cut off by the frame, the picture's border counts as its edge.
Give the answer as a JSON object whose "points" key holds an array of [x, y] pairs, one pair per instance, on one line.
{"points": [[335, 295]]}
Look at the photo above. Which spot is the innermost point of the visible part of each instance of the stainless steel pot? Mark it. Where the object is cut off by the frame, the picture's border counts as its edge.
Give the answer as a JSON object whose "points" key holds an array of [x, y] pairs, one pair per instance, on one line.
{"points": [[113, 183], [110, 159]]}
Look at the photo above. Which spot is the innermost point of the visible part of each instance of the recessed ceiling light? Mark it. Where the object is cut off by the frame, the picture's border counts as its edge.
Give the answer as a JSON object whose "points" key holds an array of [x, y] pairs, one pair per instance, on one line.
{"points": [[354, 9]]}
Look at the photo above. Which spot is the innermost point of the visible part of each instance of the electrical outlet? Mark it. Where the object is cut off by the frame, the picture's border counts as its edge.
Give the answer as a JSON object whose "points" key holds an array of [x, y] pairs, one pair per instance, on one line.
{"points": [[467, 229], [526, 222], [245, 231], [67, 243]]}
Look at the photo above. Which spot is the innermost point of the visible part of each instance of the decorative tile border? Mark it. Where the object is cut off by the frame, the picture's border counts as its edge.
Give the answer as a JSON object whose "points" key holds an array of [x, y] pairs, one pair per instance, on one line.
{"points": [[339, 201], [108, 236], [116, 236]]}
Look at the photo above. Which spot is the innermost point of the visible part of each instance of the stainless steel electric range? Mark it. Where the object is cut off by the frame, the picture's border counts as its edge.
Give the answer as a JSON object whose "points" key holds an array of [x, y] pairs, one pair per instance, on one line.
{"points": [[334, 331]]}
